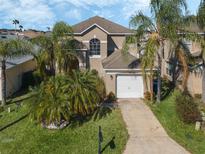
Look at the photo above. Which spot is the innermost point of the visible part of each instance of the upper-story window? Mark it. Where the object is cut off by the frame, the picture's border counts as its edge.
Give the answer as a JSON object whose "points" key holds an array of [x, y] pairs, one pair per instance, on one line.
{"points": [[94, 47]]}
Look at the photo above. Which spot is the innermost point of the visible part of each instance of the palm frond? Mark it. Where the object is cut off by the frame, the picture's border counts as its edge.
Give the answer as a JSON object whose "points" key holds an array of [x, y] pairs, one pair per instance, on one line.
{"points": [[201, 14]]}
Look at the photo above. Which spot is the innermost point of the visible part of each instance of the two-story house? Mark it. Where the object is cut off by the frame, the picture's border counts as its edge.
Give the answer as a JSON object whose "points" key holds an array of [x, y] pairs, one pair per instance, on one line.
{"points": [[194, 83], [102, 43]]}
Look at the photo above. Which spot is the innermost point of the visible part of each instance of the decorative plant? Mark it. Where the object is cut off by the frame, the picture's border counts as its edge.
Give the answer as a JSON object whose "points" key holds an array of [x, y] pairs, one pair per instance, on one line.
{"points": [[49, 103], [82, 92]]}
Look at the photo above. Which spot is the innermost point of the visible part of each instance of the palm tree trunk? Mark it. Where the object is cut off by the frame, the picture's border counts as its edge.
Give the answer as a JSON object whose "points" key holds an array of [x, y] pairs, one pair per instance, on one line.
{"points": [[159, 80], [203, 84], [3, 82], [151, 87]]}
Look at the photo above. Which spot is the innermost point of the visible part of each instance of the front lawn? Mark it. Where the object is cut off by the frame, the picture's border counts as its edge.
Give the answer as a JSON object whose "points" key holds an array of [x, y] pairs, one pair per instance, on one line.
{"points": [[26, 137], [184, 134]]}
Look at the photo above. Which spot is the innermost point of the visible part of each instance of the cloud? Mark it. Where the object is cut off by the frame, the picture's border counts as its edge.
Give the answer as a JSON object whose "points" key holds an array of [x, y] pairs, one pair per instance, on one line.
{"points": [[31, 13], [74, 14], [104, 13], [87, 3], [43, 13], [132, 6]]}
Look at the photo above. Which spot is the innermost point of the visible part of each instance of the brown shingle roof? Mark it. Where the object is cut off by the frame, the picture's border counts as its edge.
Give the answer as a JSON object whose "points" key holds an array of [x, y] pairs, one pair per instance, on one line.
{"points": [[108, 26], [120, 60]]}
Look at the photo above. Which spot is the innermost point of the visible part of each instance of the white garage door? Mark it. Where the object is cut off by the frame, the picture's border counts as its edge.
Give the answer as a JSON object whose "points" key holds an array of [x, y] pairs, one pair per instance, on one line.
{"points": [[130, 86]]}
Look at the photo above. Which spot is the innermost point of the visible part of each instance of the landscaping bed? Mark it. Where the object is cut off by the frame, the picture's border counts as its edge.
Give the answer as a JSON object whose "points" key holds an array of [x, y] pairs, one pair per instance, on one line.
{"points": [[184, 134]]}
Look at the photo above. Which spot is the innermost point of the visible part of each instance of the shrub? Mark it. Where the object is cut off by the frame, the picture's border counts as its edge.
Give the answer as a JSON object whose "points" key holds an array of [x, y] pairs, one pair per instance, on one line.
{"points": [[37, 77], [100, 84], [1, 109], [147, 95], [166, 88], [94, 71], [197, 96], [111, 97], [187, 108], [100, 87], [50, 102], [28, 79]]}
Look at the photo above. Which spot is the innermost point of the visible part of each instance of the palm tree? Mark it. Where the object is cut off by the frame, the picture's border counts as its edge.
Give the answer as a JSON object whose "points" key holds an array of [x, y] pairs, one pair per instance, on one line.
{"points": [[82, 92], [64, 45], [58, 50], [164, 26], [49, 103], [183, 57], [201, 23], [10, 49], [15, 22], [62, 97], [44, 56]]}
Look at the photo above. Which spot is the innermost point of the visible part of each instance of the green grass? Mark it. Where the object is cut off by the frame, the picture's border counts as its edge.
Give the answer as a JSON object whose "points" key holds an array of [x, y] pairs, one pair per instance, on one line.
{"points": [[25, 137], [184, 134]]}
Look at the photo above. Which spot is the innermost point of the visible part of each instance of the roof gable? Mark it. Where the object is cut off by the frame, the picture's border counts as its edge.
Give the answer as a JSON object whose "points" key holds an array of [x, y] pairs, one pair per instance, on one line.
{"points": [[105, 25]]}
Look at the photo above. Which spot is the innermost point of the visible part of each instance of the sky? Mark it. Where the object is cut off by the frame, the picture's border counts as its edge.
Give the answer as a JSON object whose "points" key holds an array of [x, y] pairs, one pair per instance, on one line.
{"points": [[40, 14]]}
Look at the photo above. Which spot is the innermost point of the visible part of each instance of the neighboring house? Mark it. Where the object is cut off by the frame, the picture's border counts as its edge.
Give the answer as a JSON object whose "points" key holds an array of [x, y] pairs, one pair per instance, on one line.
{"points": [[16, 67], [102, 42], [194, 84]]}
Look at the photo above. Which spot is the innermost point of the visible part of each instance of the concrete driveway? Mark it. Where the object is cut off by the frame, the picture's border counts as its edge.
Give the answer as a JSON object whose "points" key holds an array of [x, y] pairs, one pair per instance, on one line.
{"points": [[146, 135]]}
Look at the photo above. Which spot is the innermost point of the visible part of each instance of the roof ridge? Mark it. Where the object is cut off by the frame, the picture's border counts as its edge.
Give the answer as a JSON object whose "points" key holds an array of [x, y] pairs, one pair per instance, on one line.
{"points": [[106, 24]]}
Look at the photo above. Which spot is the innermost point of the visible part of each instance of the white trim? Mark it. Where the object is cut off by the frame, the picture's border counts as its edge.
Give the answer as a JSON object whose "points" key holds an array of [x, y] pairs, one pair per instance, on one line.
{"points": [[86, 41], [102, 30], [103, 42], [95, 56], [81, 49], [199, 33], [126, 73], [126, 69]]}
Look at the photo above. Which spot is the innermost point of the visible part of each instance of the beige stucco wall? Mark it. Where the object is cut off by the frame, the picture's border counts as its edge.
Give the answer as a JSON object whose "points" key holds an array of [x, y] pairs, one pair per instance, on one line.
{"points": [[14, 76], [110, 81], [116, 42], [196, 47], [195, 83], [95, 62]]}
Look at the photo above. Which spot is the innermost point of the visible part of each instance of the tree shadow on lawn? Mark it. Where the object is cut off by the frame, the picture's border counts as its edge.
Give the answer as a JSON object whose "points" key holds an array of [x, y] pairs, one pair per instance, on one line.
{"points": [[101, 112], [13, 123], [19, 97]]}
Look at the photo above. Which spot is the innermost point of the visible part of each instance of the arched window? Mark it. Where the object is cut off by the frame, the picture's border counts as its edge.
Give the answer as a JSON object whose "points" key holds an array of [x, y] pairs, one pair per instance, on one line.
{"points": [[94, 47]]}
